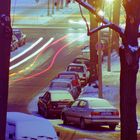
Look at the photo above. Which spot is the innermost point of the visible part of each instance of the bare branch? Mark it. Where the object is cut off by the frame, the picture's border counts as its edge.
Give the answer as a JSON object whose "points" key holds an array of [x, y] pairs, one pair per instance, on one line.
{"points": [[98, 28], [93, 10]]}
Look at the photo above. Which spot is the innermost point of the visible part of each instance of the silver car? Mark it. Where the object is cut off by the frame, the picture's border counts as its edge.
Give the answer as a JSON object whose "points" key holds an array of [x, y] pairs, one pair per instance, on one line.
{"points": [[96, 111]]}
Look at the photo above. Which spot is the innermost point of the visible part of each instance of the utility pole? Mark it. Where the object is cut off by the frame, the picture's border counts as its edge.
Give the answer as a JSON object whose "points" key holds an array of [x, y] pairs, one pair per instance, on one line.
{"points": [[5, 41], [100, 53]]}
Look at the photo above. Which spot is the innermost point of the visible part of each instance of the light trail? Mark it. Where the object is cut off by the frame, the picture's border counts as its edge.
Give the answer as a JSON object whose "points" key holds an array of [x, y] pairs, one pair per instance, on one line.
{"points": [[36, 58], [32, 55], [25, 51], [52, 62]]}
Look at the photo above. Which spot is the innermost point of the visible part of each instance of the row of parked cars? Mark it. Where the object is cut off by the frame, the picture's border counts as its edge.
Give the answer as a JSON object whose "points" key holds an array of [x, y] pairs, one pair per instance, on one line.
{"points": [[71, 98], [18, 39]]}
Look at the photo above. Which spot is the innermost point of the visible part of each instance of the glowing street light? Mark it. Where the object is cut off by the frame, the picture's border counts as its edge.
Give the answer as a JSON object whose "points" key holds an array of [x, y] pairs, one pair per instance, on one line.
{"points": [[101, 13]]}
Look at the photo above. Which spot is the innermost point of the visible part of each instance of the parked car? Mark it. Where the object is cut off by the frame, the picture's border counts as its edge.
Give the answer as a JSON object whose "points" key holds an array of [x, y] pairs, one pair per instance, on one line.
{"points": [[21, 126], [64, 84], [53, 101], [90, 90], [82, 70], [87, 111], [20, 36], [74, 76], [82, 60], [14, 43]]}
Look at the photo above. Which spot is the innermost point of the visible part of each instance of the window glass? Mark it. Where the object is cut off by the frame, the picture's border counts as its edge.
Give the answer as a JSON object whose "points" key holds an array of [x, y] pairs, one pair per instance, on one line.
{"points": [[61, 96], [75, 103], [99, 103], [67, 76], [60, 85], [82, 103], [76, 68]]}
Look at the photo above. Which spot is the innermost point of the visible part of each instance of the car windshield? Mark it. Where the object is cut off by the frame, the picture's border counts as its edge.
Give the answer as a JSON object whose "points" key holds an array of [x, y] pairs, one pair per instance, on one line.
{"points": [[67, 76], [59, 85], [97, 103], [76, 68], [61, 96]]}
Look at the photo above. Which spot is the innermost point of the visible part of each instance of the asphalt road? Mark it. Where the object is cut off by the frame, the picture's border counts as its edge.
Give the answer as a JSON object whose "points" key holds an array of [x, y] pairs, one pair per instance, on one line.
{"points": [[28, 78]]}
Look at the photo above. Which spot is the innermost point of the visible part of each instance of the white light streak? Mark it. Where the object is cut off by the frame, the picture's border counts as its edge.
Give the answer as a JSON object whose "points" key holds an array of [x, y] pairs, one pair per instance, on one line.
{"points": [[32, 55], [25, 51]]}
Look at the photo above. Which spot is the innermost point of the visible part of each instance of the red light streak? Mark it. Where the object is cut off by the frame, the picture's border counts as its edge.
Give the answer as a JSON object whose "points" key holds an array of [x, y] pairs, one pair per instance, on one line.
{"points": [[51, 63]]}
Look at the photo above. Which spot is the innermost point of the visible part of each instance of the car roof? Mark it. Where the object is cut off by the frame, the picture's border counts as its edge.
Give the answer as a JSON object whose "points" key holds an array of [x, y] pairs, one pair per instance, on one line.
{"points": [[59, 91], [76, 64], [30, 125], [16, 29], [19, 116], [68, 72], [61, 80], [92, 99]]}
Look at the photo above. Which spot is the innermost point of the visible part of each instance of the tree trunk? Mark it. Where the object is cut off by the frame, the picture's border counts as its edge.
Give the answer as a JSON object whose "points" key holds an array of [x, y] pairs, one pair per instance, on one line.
{"points": [[128, 77], [127, 100], [5, 41]]}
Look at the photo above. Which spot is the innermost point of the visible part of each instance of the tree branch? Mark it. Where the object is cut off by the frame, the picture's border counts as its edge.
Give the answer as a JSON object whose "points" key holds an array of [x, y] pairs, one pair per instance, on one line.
{"points": [[93, 10]]}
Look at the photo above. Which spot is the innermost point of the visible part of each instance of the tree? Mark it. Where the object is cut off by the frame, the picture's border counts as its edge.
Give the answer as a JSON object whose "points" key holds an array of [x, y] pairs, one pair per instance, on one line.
{"points": [[5, 41], [129, 60]]}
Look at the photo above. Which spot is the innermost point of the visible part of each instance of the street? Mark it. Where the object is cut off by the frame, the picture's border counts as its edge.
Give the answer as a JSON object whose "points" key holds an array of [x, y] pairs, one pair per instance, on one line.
{"points": [[61, 43]]}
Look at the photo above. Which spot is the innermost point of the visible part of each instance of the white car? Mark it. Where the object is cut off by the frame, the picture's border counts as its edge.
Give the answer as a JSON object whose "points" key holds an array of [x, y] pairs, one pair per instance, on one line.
{"points": [[89, 91], [21, 126], [82, 70]]}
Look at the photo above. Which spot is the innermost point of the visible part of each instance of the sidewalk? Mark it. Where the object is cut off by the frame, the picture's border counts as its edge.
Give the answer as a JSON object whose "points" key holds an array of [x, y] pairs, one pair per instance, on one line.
{"points": [[32, 14]]}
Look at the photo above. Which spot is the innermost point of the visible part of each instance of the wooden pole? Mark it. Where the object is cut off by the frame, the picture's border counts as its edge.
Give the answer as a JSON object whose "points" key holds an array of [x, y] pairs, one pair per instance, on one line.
{"points": [[99, 65]]}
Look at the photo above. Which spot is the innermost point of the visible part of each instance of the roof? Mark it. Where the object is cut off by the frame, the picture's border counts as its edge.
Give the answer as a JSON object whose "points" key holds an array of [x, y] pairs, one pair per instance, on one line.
{"points": [[92, 98], [59, 91], [76, 64], [68, 72], [19, 116], [61, 80]]}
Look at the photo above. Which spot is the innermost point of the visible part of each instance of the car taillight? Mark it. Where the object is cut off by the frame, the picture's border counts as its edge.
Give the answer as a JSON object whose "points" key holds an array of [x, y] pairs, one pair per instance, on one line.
{"points": [[75, 83], [116, 113], [84, 75], [95, 113]]}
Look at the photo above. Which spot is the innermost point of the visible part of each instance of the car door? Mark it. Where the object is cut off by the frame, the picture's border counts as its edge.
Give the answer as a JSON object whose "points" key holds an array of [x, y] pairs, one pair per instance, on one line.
{"points": [[44, 101], [71, 111], [82, 110]]}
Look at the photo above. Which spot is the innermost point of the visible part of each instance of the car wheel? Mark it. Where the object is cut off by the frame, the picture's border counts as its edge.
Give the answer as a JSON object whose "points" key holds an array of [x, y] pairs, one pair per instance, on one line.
{"points": [[46, 114], [82, 123], [39, 111], [64, 120], [112, 127]]}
